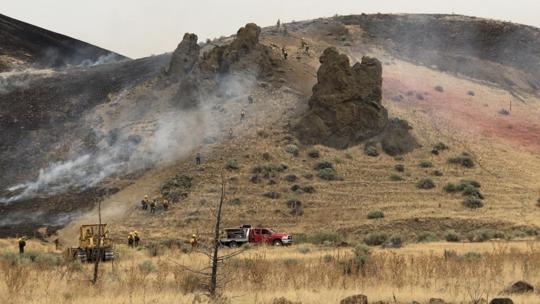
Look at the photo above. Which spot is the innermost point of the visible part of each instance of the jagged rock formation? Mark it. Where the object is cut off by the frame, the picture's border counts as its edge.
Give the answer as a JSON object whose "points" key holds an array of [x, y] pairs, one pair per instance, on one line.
{"points": [[244, 54], [186, 56], [345, 107], [184, 68]]}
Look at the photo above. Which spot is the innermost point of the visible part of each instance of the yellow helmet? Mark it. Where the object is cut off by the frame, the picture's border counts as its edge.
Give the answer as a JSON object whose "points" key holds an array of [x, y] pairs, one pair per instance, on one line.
{"points": [[194, 236], [146, 196], [135, 232]]}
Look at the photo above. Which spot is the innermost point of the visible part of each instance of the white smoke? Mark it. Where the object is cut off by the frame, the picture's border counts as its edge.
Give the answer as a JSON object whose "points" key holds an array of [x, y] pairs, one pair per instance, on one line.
{"points": [[21, 79], [104, 59], [138, 143]]}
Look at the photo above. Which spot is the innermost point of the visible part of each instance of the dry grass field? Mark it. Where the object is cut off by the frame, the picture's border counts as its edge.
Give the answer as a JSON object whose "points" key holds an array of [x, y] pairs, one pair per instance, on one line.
{"points": [[302, 273]]}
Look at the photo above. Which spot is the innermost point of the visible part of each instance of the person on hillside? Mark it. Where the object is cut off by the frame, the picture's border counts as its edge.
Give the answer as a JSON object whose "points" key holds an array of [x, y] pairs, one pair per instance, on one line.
{"points": [[165, 205], [230, 133], [22, 244], [136, 239], [194, 241], [131, 240], [153, 206], [198, 159], [284, 52], [242, 115], [144, 203]]}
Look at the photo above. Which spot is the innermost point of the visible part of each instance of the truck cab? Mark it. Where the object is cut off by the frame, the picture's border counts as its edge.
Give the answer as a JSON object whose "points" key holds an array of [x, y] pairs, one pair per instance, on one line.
{"points": [[261, 235]]}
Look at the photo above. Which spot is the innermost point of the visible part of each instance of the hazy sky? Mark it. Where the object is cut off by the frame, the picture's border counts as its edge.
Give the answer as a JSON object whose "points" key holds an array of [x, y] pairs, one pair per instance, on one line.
{"points": [[138, 28]]}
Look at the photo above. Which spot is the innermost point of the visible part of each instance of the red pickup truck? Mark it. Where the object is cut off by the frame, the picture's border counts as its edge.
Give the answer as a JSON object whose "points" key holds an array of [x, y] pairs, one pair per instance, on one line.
{"points": [[235, 237]]}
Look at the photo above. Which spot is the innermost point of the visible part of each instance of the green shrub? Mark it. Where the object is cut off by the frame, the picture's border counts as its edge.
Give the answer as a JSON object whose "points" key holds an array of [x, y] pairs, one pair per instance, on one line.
{"points": [[313, 153], [482, 235], [327, 174], [439, 89], [425, 183], [232, 164], [450, 188], [371, 150], [426, 237], [472, 255], [399, 158], [300, 238], [396, 178], [451, 236], [425, 164], [473, 202], [465, 159], [328, 258], [375, 214], [292, 149], [471, 182], [396, 241], [322, 237], [471, 191], [325, 164], [234, 201], [376, 238], [399, 167], [440, 147]]}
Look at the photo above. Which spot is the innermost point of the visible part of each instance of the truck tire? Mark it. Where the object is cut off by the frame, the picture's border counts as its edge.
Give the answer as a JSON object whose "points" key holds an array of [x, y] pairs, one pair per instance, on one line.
{"points": [[233, 244], [277, 243]]}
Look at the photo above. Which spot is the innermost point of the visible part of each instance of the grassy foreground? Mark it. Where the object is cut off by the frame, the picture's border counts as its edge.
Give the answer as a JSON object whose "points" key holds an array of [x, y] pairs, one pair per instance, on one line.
{"points": [[456, 272]]}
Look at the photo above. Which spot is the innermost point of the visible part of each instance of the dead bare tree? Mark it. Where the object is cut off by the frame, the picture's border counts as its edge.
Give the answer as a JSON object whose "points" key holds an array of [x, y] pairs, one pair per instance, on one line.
{"points": [[98, 249], [215, 279]]}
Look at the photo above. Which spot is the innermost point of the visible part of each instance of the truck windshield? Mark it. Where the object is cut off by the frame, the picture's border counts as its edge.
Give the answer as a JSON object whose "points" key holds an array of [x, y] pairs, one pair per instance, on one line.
{"points": [[267, 231]]}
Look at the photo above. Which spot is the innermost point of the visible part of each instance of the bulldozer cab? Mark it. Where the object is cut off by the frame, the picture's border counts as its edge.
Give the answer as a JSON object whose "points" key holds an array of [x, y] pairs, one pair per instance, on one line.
{"points": [[89, 236]]}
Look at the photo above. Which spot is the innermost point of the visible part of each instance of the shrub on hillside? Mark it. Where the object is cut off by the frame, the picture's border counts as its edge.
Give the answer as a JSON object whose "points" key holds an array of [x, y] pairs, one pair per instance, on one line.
{"points": [[471, 191], [272, 195], [371, 150], [313, 153], [325, 237], [450, 188], [482, 235], [470, 93], [324, 164], [473, 202], [425, 183], [440, 146], [439, 89], [399, 167], [451, 236], [425, 164], [232, 164], [292, 149], [426, 236], [471, 182], [375, 214], [327, 174], [465, 159], [376, 238]]}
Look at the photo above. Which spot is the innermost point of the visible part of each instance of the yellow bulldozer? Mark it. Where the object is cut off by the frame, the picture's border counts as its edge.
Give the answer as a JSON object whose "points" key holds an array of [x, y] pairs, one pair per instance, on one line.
{"points": [[91, 245]]}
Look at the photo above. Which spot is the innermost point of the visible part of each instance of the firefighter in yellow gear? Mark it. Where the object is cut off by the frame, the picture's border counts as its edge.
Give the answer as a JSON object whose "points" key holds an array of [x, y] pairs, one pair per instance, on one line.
{"points": [[131, 240], [22, 244], [194, 241]]}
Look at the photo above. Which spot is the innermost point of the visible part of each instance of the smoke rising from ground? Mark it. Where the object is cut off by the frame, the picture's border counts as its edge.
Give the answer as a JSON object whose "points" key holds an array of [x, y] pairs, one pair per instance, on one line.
{"points": [[135, 142]]}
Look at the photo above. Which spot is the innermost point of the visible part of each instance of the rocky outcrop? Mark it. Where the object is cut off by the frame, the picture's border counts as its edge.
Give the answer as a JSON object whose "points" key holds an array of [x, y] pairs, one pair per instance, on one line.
{"points": [[345, 107], [397, 139], [356, 299], [519, 287], [186, 56], [184, 71], [244, 54]]}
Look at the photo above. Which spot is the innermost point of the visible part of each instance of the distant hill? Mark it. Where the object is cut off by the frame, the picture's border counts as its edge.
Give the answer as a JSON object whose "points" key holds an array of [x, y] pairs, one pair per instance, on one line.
{"points": [[23, 43]]}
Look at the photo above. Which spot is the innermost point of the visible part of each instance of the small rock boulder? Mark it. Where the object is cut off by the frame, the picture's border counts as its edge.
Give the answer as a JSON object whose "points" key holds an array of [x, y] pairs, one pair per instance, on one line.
{"points": [[185, 57], [356, 299], [501, 301], [520, 287]]}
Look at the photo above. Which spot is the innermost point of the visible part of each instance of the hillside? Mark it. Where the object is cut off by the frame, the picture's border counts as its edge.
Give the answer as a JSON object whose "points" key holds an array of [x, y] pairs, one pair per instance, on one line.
{"points": [[142, 123], [25, 45]]}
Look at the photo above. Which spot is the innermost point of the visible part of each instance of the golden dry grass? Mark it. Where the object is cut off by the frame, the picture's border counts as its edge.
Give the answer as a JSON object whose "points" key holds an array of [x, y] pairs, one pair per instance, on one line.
{"points": [[303, 273]]}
